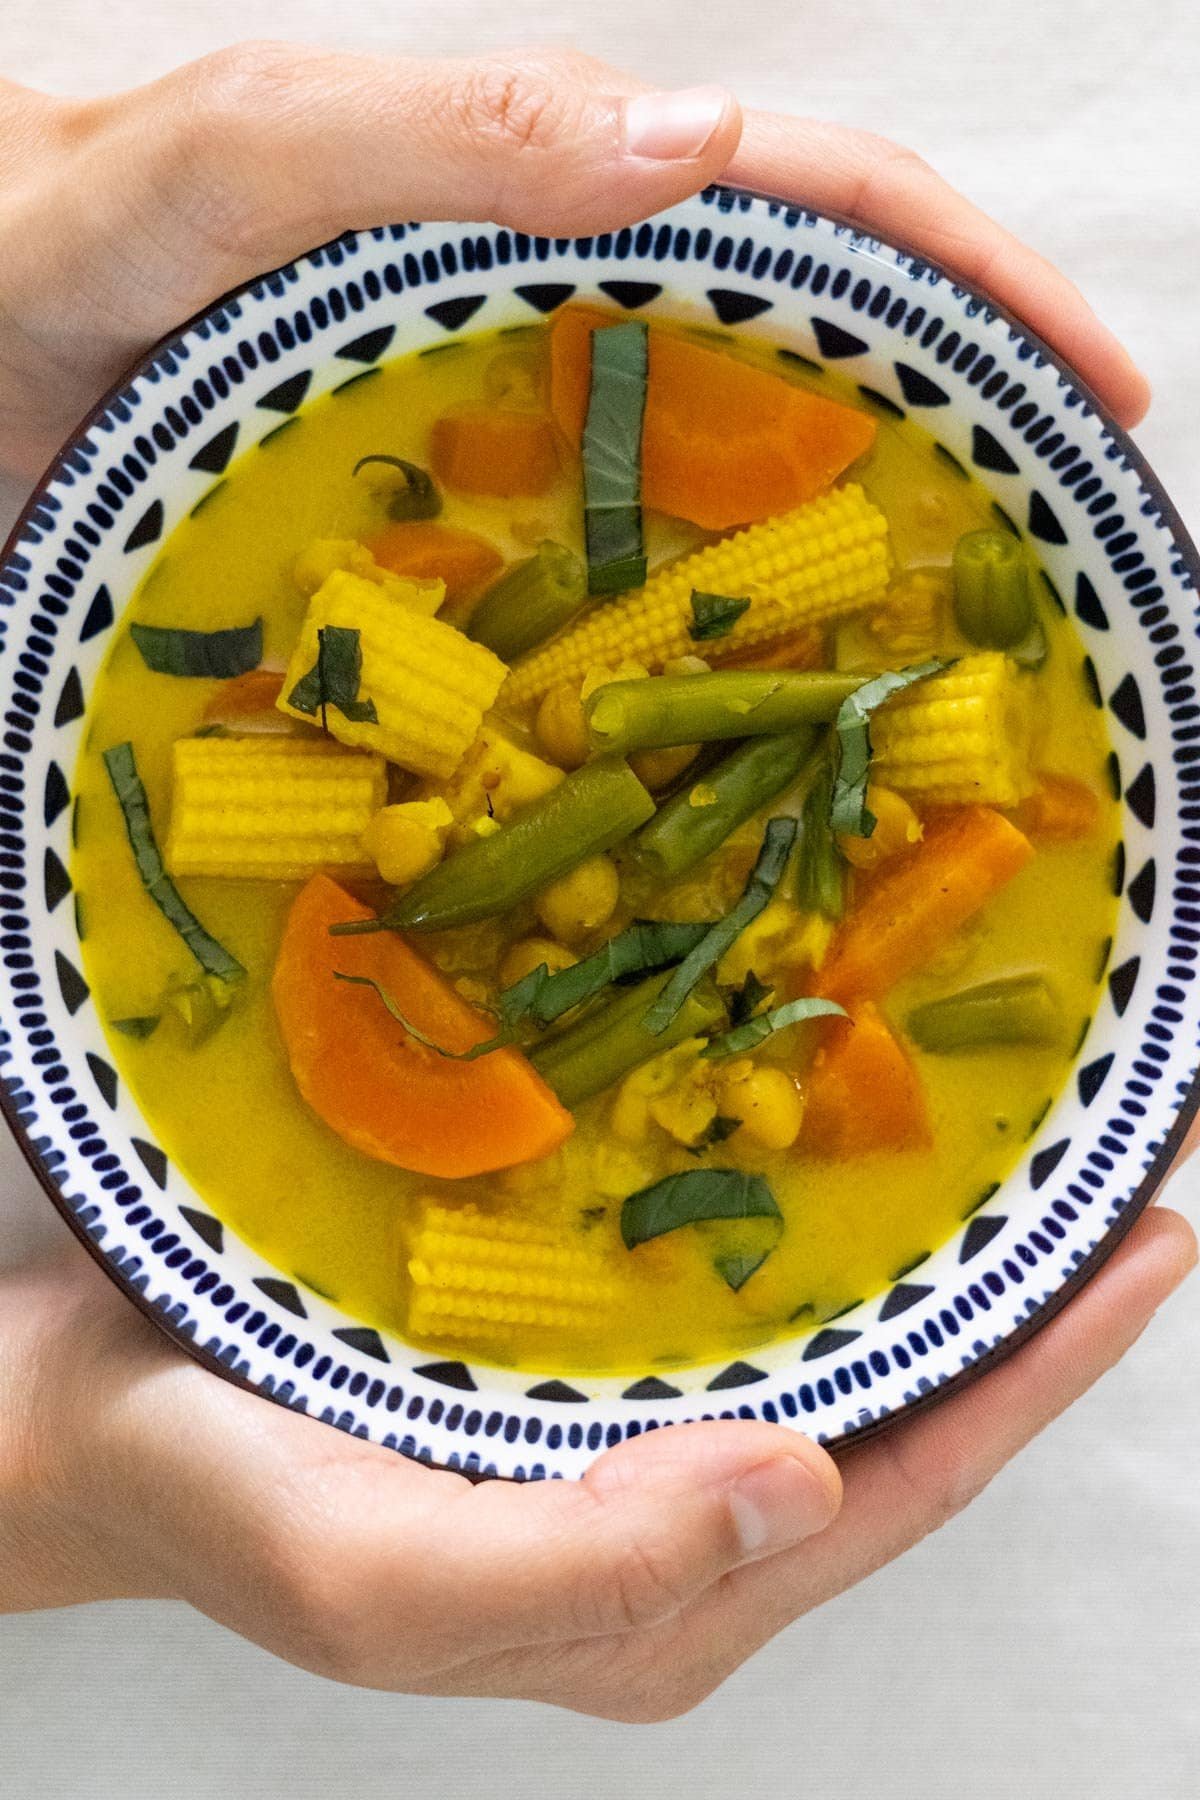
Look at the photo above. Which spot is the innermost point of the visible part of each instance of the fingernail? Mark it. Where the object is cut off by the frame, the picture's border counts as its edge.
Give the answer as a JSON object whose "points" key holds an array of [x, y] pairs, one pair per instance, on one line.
{"points": [[668, 127], [779, 1504]]}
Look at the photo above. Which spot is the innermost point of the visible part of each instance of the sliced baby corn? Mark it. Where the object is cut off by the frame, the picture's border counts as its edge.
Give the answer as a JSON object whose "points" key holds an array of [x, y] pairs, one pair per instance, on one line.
{"points": [[960, 737]]}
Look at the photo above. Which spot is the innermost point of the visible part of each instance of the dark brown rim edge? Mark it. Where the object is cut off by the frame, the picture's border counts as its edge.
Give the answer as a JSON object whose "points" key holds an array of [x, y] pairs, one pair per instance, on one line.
{"points": [[1187, 1107]]}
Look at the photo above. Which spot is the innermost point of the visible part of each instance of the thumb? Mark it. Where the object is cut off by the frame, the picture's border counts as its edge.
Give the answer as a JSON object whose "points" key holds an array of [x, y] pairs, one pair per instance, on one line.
{"points": [[283, 145]]}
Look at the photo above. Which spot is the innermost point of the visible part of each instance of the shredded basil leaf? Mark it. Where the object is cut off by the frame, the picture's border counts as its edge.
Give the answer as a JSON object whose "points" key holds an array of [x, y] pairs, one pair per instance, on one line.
{"points": [[714, 615], [414, 1031], [135, 808], [755, 1031], [745, 1002], [691, 1196], [642, 948], [717, 1131], [848, 810], [736, 1270], [334, 678], [418, 498], [764, 878], [209, 655], [612, 459], [142, 1025]]}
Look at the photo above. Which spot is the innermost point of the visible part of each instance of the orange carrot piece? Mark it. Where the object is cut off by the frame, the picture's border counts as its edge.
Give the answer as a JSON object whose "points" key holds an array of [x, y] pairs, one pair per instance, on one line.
{"points": [[917, 901], [862, 1093], [425, 552], [487, 451], [1059, 810], [244, 696], [723, 442], [381, 1091], [803, 650]]}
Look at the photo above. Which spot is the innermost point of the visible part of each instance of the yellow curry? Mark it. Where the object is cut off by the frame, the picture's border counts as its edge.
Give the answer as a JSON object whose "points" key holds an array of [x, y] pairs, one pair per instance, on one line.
{"points": [[594, 846]]}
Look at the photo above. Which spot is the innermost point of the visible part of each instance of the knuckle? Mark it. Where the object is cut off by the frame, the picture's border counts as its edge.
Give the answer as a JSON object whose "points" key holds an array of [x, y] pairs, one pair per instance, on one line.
{"points": [[506, 110], [648, 1583]]}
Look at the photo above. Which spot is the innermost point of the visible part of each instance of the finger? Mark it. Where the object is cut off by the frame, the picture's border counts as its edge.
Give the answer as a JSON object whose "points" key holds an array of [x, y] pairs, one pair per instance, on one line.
{"points": [[891, 191]]}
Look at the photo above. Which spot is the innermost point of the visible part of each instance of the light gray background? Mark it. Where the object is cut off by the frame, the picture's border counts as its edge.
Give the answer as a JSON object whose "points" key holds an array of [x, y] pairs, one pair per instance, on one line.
{"points": [[1047, 1643]]}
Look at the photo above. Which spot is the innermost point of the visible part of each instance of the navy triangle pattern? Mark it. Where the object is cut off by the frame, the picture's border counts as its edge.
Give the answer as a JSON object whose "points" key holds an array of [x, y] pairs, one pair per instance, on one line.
{"points": [[1087, 604], [56, 883], [214, 457], [449, 1374], [631, 294], [557, 1391], [363, 1338], [733, 308], [987, 452], [1046, 1161], [369, 347], [1141, 891], [288, 395], [99, 615], [1043, 521], [1091, 1077], [1142, 797], [979, 1234], [825, 1343], [452, 315], [148, 529], [57, 795], [70, 702], [154, 1161], [1126, 703], [651, 1388], [73, 988], [738, 1374], [833, 342], [917, 388], [208, 1229], [105, 1077], [546, 296], [282, 1292], [1121, 983], [904, 1295]]}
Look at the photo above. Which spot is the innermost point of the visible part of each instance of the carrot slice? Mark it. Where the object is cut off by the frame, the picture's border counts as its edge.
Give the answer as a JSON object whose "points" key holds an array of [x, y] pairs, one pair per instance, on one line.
{"points": [[723, 443], [908, 912], [244, 696], [1059, 810], [863, 1093], [380, 1090], [425, 552], [494, 452]]}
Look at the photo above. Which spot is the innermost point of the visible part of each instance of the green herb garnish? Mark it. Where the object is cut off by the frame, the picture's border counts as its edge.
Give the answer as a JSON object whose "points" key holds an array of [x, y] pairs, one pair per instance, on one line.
{"points": [[207, 655], [131, 797], [416, 498], [764, 878], [612, 459], [414, 1031], [334, 678], [747, 999], [714, 615], [692, 1196], [643, 947], [719, 1130], [736, 1270], [764, 1025], [140, 1026], [848, 810]]}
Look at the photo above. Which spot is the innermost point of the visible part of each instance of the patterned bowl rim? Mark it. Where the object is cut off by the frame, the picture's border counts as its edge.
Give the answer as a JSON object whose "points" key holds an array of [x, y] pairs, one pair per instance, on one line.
{"points": [[726, 198]]}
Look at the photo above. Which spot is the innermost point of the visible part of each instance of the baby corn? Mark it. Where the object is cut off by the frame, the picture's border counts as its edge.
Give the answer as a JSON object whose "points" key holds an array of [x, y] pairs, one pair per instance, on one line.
{"points": [[822, 561], [481, 1275], [271, 808], [960, 737]]}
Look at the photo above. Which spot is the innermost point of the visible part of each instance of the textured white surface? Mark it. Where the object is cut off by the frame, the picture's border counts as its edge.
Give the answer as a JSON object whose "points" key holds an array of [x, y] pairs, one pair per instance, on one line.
{"points": [[1048, 1643]]}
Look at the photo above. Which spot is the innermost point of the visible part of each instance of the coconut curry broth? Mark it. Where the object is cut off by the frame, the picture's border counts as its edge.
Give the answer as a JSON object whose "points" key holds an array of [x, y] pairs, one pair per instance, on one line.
{"points": [[217, 1090]]}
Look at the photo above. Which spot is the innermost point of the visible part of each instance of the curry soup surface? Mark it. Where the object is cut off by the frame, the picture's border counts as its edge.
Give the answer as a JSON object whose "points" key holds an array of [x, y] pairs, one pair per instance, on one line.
{"points": [[225, 1107]]}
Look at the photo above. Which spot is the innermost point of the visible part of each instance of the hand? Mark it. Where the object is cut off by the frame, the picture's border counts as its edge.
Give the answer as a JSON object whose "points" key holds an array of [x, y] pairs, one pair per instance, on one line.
{"points": [[124, 216], [127, 1470]]}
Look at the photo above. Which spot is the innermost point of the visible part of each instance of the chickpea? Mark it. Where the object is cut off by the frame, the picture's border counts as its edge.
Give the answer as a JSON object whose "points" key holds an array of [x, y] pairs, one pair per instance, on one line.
{"points": [[528, 954], [407, 840], [768, 1103], [897, 828], [657, 769], [581, 901], [560, 727]]}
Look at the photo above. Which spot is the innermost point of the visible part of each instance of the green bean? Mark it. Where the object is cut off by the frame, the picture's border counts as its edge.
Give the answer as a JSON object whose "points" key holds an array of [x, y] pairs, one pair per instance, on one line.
{"points": [[606, 1044], [698, 819], [654, 713], [530, 602], [820, 870], [992, 602], [589, 811], [1016, 1009]]}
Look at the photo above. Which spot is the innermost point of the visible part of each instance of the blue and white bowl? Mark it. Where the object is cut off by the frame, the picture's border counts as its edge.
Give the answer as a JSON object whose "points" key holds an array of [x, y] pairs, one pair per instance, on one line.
{"points": [[1000, 405]]}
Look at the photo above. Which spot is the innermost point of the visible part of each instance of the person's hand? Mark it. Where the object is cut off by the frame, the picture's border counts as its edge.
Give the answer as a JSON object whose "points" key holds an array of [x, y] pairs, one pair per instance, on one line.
{"points": [[123, 216], [125, 1469]]}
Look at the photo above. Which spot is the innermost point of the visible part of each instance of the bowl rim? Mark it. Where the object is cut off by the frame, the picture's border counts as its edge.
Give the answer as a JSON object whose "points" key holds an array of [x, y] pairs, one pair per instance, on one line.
{"points": [[1185, 1108]]}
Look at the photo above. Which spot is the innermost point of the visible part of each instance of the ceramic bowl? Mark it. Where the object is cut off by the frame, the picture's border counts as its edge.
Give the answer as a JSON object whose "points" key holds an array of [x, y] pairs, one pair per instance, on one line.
{"points": [[999, 405]]}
